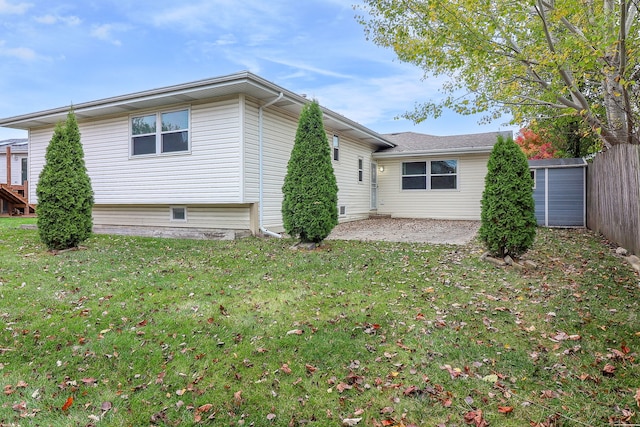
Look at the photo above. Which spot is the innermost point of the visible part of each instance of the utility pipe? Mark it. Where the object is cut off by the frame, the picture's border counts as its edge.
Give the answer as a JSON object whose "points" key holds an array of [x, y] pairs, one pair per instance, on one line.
{"points": [[260, 161]]}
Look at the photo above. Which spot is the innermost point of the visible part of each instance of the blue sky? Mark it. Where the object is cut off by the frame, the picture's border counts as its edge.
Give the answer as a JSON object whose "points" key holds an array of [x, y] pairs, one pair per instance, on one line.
{"points": [[55, 53]]}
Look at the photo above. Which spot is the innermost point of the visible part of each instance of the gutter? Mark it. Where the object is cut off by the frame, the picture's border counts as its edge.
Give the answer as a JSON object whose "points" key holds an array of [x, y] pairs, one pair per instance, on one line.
{"points": [[260, 162], [439, 152]]}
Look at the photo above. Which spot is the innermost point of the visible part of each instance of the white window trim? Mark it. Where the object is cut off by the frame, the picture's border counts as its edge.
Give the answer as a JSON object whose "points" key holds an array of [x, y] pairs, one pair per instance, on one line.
{"points": [[342, 210], [360, 170], [534, 174], [158, 114], [335, 148], [172, 214], [428, 174]]}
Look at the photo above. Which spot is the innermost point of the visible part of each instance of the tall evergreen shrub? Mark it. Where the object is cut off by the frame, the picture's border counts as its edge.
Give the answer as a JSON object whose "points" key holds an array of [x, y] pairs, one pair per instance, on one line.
{"points": [[310, 205], [508, 222], [65, 197]]}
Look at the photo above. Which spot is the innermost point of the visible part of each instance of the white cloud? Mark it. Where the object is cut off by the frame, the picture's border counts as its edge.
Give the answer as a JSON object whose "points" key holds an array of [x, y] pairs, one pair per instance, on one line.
{"points": [[54, 19], [301, 66], [105, 32], [14, 9], [23, 53]]}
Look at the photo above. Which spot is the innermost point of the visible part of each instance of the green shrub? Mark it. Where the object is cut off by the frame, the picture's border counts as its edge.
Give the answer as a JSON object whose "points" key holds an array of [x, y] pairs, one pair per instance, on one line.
{"points": [[508, 224], [310, 204], [65, 197]]}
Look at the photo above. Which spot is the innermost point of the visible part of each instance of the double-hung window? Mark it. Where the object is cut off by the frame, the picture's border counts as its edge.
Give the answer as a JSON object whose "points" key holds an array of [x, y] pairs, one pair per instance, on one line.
{"points": [[162, 132], [360, 170], [432, 175], [336, 148]]}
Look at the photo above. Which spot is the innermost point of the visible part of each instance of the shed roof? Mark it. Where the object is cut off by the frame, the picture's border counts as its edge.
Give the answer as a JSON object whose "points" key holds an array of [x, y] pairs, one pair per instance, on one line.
{"points": [[557, 163], [243, 82], [412, 144]]}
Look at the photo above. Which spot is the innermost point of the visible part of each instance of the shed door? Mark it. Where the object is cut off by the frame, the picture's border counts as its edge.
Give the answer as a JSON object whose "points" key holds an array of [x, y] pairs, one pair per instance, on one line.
{"points": [[566, 197]]}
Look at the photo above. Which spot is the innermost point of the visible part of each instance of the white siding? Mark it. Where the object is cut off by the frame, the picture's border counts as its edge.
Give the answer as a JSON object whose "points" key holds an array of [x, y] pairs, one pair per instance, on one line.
{"points": [[461, 204], [353, 195], [279, 132], [16, 167], [222, 217], [38, 141], [210, 173], [251, 152]]}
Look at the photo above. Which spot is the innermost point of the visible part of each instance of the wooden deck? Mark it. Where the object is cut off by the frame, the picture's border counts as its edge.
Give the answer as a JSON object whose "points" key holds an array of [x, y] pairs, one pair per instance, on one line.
{"points": [[16, 197]]}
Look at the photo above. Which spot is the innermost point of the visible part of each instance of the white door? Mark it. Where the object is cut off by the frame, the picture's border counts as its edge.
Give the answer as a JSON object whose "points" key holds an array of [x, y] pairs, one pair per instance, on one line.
{"points": [[374, 186]]}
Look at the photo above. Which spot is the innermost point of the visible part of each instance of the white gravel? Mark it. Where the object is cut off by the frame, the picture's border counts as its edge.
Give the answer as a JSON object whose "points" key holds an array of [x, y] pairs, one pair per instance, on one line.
{"points": [[407, 230]]}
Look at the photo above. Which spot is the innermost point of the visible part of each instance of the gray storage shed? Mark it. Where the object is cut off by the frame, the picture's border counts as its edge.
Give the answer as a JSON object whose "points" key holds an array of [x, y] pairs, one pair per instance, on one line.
{"points": [[560, 192]]}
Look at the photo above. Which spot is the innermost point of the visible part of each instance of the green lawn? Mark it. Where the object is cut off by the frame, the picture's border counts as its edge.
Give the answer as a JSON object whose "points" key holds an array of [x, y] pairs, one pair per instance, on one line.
{"points": [[137, 331]]}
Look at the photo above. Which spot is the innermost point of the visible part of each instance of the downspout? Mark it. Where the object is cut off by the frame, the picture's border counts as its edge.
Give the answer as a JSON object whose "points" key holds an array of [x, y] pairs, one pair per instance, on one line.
{"points": [[260, 161]]}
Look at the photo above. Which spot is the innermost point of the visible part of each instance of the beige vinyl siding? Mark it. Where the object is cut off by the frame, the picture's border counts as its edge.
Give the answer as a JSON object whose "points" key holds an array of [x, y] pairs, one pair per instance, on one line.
{"points": [[353, 195], [235, 217], [210, 173], [16, 167], [279, 132], [251, 152], [38, 142], [461, 204]]}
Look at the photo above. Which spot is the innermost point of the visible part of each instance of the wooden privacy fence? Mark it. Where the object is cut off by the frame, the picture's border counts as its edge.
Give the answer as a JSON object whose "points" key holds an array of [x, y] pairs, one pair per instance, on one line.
{"points": [[613, 196]]}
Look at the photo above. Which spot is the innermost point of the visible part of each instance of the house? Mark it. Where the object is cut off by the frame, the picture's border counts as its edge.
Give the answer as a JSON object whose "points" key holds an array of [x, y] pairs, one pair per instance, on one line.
{"points": [[13, 176], [426, 176], [560, 192], [210, 157]]}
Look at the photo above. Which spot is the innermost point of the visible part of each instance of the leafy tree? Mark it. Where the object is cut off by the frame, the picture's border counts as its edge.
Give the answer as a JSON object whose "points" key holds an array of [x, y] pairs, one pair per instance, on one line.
{"points": [[310, 205], [508, 222], [65, 197], [568, 135], [578, 57], [534, 145]]}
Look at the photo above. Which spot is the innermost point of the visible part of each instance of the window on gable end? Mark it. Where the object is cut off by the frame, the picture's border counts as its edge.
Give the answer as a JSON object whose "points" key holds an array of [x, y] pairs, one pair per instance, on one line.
{"points": [[158, 133]]}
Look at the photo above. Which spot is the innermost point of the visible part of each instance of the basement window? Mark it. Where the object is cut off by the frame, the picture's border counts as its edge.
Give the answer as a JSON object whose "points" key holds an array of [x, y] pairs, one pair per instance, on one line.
{"points": [[178, 214], [342, 210]]}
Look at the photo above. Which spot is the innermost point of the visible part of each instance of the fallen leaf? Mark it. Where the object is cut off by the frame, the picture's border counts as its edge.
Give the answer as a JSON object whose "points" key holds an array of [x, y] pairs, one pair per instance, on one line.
{"points": [[350, 422], [475, 418], [295, 332], [271, 417], [106, 406], [205, 408], [637, 397], [343, 386], [608, 370], [20, 407], [68, 403], [285, 368], [237, 397], [386, 410], [505, 409], [310, 368], [493, 378]]}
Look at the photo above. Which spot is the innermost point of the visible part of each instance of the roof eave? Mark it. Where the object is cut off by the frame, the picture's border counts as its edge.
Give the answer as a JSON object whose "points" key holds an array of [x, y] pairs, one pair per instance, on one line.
{"points": [[436, 152], [242, 82]]}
